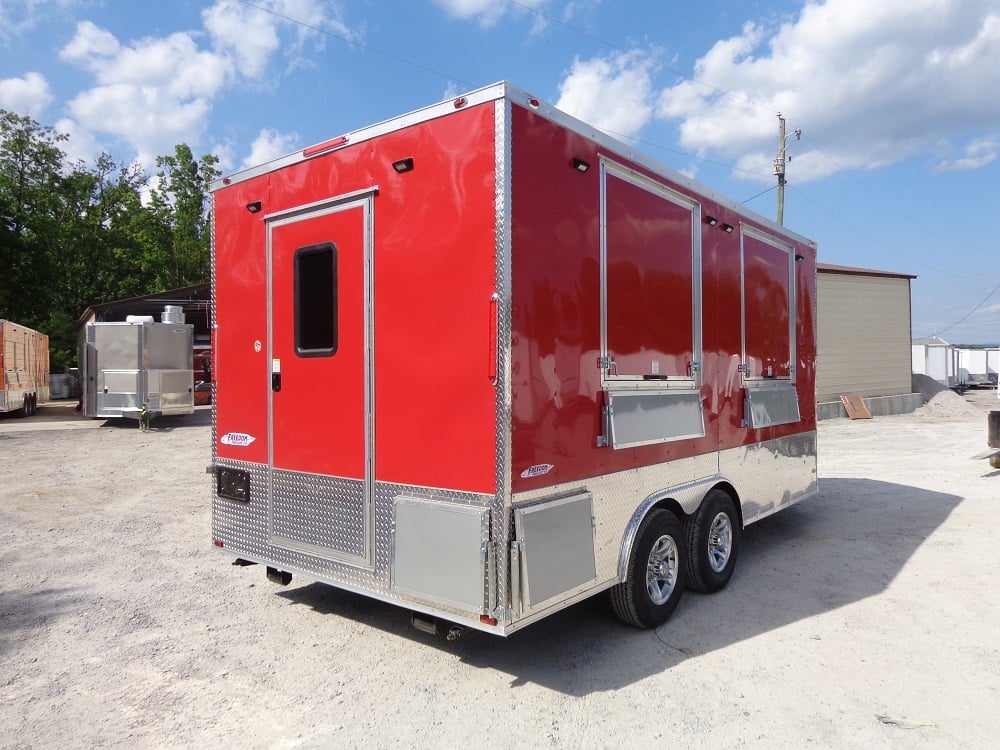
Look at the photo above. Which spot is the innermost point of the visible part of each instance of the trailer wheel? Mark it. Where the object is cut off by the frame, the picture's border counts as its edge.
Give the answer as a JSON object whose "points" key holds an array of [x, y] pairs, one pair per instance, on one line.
{"points": [[713, 541], [654, 580]]}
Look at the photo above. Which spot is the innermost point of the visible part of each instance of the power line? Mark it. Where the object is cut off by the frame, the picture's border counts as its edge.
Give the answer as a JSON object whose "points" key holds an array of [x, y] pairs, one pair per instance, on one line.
{"points": [[974, 309], [762, 192], [875, 241]]}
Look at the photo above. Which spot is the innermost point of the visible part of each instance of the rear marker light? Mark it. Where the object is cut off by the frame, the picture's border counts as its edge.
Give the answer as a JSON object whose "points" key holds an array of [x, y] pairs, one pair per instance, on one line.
{"points": [[487, 620], [533, 103], [218, 543], [461, 102]]}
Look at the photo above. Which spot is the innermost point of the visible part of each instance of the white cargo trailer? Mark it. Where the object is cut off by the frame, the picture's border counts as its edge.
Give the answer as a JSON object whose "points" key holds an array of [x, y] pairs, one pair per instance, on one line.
{"points": [[972, 366], [937, 361]]}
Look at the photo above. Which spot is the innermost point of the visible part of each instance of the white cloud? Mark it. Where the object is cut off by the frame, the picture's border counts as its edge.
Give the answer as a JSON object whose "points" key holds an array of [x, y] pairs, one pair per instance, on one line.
{"points": [[90, 46], [29, 95], [174, 64], [245, 34], [156, 92], [21, 16], [487, 12], [614, 94], [978, 153], [252, 35], [153, 93], [148, 118], [874, 83], [269, 144]]}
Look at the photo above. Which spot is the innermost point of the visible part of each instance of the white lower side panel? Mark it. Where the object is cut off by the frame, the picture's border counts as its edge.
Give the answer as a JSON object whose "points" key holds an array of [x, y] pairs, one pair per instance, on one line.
{"points": [[767, 476]]}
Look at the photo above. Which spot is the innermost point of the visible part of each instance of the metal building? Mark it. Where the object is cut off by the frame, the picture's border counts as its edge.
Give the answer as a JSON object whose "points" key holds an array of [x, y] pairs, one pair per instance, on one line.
{"points": [[864, 340]]}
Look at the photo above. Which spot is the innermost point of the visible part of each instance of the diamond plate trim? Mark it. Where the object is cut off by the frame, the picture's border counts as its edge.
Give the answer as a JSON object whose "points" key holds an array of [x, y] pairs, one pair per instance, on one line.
{"points": [[212, 321], [502, 519], [328, 514], [242, 527]]}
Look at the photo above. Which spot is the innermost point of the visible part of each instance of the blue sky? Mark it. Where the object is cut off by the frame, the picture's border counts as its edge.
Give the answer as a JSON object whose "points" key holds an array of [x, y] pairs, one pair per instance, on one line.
{"points": [[898, 100]]}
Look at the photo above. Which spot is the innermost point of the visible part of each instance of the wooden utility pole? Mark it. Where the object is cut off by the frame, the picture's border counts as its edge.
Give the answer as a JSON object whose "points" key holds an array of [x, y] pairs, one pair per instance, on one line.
{"points": [[779, 165], [779, 169]]}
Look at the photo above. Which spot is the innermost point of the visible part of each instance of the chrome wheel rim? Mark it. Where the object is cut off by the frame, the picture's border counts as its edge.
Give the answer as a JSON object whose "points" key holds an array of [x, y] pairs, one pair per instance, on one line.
{"points": [[661, 570], [720, 542]]}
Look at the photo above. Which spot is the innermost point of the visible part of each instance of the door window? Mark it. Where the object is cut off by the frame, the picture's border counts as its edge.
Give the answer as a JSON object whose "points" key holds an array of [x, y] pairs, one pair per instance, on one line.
{"points": [[316, 300]]}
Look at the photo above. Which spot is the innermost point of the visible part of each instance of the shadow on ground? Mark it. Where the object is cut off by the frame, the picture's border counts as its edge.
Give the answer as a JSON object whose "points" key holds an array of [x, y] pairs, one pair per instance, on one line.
{"points": [[808, 560]]}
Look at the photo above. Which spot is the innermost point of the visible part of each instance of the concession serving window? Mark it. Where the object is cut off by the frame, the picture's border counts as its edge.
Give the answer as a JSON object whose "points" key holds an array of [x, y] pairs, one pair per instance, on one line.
{"points": [[768, 322], [651, 337]]}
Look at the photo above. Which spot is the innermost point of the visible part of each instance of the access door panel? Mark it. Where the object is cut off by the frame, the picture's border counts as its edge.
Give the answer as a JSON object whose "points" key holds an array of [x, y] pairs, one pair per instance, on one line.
{"points": [[320, 372]]}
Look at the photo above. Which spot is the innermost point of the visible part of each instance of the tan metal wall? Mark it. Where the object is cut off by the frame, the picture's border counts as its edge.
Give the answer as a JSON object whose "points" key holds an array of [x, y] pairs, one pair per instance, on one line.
{"points": [[864, 336]]}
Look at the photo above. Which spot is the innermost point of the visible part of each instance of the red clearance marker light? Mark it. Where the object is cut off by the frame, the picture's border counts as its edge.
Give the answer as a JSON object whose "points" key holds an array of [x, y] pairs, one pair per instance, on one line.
{"points": [[461, 102], [218, 543], [487, 620], [319, 148]]}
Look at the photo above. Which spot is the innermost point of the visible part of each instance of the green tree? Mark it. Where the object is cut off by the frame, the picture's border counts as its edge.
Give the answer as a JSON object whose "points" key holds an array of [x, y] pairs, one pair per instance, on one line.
{"points": [[72, 235], [181, 200], [30, 202]]}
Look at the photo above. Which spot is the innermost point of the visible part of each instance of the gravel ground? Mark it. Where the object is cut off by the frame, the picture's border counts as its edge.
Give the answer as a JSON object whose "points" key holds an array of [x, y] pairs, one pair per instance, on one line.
{"points": [[866, 617]]}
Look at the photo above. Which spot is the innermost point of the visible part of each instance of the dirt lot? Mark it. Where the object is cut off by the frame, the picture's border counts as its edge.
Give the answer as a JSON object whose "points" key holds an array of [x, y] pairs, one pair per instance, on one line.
{"points": [[867, 617]]}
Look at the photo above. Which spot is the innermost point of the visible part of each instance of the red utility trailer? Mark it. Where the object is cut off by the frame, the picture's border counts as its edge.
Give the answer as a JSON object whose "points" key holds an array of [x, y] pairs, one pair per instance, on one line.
{"points": [[483, 361]]}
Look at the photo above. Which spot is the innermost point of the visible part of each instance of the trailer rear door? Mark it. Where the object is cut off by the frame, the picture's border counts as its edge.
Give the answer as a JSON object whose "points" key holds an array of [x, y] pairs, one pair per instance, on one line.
{"points": [[321, 423]]}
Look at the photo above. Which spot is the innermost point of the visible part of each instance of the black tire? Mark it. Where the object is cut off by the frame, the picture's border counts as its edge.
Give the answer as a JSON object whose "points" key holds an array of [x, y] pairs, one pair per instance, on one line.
{"points": [[713, 542], [25, 409], [654, 580]]}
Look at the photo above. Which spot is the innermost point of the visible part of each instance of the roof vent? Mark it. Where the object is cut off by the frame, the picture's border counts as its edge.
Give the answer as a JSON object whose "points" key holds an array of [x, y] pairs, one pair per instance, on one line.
{"points": [[172, 314]]}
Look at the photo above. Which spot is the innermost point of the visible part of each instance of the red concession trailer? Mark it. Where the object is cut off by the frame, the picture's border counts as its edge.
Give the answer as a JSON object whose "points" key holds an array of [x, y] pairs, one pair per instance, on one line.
{"points": [[484, 361], [24, 368]]}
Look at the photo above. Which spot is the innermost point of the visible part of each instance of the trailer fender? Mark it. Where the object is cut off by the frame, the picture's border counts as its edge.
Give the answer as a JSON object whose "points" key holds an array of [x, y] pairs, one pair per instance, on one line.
{"points": [[682, 501]]}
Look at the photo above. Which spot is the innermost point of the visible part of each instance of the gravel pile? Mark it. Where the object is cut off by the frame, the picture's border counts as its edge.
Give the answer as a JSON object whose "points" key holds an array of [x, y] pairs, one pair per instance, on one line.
{"points": [[941, 402]]}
